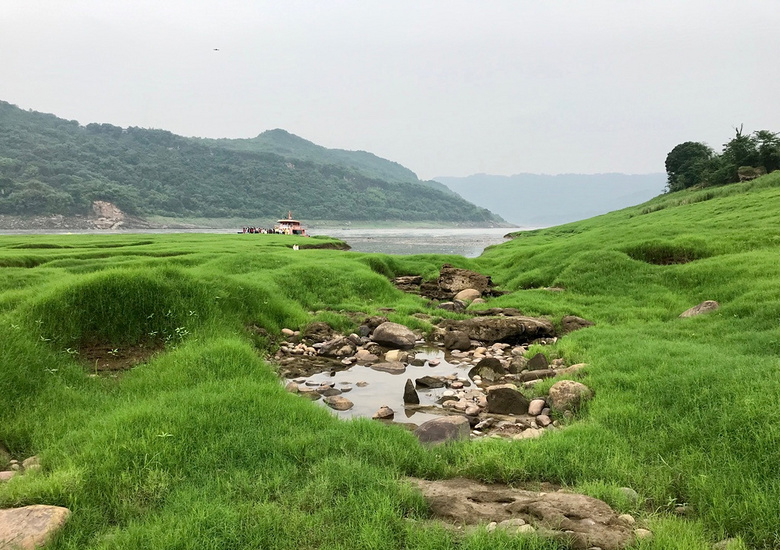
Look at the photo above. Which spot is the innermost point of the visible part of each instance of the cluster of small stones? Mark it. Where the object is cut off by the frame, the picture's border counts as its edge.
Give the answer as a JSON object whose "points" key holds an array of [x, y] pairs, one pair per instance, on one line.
{"points": [[490, 398], [16, 468], [494, 405]]}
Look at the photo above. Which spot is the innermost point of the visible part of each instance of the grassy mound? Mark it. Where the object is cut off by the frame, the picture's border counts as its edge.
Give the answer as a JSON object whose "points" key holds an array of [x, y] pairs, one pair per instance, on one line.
{"points": [[201, 447]]}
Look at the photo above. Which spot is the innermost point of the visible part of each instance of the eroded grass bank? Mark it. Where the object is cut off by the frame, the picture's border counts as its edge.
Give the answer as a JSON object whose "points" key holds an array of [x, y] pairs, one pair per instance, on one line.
{"points": [[200, 447]]}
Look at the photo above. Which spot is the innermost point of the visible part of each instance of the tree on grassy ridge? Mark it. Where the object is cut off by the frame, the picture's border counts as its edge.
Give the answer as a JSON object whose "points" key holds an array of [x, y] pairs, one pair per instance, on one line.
{"points": [[694, 163]]}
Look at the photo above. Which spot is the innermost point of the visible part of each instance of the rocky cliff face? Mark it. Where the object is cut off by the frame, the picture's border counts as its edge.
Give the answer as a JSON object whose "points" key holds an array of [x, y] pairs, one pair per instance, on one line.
{"points": [[106, 215]]}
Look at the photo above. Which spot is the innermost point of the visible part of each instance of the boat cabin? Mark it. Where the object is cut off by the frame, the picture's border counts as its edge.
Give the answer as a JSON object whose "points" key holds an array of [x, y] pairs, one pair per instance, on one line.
{"points": [[289, 226]]}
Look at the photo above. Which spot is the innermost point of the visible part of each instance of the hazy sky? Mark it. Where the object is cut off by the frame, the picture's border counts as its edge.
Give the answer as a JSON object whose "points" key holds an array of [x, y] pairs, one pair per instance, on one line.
{"points": [[445, 87]]}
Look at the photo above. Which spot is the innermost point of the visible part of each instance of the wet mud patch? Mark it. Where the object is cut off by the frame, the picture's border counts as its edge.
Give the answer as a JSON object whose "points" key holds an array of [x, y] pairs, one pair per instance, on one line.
{"points": [[106, 358]]}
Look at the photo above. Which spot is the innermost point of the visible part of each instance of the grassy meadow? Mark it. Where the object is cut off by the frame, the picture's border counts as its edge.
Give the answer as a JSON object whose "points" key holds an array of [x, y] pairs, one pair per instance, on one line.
{"points": [[201, 447]]}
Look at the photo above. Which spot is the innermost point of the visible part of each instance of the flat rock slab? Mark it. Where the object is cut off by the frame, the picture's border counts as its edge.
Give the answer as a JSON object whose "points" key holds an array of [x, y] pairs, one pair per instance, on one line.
{"points": [[582, 520], [704, 307], [30, 527], [512, 330], [442, 430]]}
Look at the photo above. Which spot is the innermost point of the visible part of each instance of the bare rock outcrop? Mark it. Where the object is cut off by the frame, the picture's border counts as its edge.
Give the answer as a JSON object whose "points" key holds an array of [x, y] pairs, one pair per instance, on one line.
{"points": [[704, 307], [511, 330], [106, 215], [31, 526], [581, 520]]}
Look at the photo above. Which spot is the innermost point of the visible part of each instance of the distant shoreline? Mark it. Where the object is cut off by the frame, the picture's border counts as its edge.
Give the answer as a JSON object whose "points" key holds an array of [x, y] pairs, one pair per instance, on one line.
{"points": [[130, 223]]}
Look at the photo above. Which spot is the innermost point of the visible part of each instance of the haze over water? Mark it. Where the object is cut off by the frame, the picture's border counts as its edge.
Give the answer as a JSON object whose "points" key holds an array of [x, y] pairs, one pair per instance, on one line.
{"points": [[469, 242]]}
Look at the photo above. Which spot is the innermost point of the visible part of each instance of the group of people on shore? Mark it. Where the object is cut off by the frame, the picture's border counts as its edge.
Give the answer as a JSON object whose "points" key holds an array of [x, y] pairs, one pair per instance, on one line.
{"points": [[264, 231]]}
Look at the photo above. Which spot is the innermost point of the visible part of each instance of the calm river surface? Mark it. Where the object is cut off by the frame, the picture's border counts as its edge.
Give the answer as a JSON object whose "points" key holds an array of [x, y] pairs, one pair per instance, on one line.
{"points": [[469, 242], [464, 242]]}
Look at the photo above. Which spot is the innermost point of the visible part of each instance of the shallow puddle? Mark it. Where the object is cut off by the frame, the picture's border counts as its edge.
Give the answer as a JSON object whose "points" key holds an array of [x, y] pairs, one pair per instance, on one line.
{"points": [[388, 389]]}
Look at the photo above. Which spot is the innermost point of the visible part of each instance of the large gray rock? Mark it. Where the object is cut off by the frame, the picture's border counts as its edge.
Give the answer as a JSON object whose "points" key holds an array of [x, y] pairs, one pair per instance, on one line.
{"points": [[568, 395], [468, 295], [318, 332], [512, 330], [429, 382], [441, 430], [505, 399], [339, 403], [338, 347], [584, 521], [394, 335], [391, 367], [456, 339], [489, 369], [31, 526], [410, 394], [704, 307], [538, 362], [454, 279]]}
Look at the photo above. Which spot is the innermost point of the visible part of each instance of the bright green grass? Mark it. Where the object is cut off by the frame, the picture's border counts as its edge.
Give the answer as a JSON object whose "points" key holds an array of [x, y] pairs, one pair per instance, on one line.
{"points": [[202, 448]]}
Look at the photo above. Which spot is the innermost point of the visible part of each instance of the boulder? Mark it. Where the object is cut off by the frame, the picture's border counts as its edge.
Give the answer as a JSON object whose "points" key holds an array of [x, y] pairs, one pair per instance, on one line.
{"points": [[568, 395], [384, 413], [704, 307], [584, 521], [747, 173], [517, 364], [31, 526], [338, 347], [408, 283], [365, 356], [454, 279], [410, 394], [570, 323], [390, 367], [505, 399], [489, 369], [394, 335], [339, 403], [468, 295], [511, 330], [441, 430], [318, 332], [429, 382], [397, 355], [538, 362], [456, 339], [374, 321], [535, 407]]}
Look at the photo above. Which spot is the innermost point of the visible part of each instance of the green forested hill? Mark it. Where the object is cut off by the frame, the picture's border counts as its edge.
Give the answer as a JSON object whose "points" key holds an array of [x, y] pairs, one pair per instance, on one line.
{"points": [[50, 165]]}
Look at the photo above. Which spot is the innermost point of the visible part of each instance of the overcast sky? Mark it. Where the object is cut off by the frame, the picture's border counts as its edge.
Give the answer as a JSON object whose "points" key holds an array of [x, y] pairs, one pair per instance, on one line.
{"points": [[444, 87]]}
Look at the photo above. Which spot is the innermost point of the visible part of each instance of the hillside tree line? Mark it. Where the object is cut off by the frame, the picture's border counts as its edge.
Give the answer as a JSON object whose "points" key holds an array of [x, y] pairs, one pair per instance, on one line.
{"points": [[745, 156]]}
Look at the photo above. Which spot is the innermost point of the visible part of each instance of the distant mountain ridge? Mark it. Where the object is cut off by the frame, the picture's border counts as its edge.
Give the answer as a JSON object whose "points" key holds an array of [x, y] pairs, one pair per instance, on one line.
{"points": [[283, 143], [541, 200], [52, 166]]}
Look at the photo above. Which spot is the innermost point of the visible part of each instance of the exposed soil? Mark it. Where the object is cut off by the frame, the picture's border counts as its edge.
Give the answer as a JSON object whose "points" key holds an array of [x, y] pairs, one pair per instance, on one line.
{"points": [[106, 358]]}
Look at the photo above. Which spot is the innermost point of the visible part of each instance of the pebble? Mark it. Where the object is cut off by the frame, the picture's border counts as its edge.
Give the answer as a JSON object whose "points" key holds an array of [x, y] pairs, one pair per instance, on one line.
{"points": [[433, 362], [362, 384], [628, 519]]}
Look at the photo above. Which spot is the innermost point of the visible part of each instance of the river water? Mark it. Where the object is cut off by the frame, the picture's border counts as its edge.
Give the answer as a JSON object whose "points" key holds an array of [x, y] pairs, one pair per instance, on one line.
{"points": [[468, 242]]}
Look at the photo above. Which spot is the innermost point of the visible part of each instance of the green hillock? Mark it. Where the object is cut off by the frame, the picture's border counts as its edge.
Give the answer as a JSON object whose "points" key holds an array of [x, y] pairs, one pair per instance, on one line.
{"points": [[53, 166], [201, 447]]}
